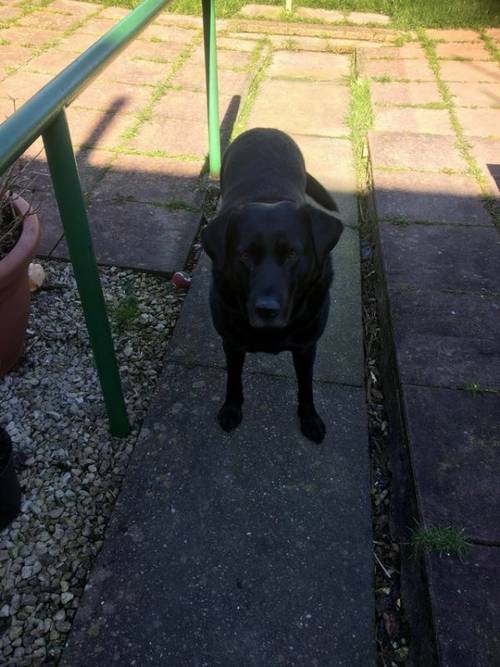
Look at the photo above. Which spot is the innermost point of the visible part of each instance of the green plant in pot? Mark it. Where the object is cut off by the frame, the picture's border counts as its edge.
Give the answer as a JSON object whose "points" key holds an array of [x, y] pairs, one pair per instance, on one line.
{"points": [[19, 238]]}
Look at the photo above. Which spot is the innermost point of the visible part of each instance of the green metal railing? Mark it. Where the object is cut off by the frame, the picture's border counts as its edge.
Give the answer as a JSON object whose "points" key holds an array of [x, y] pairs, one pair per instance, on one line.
{"points": [[44, 114]]}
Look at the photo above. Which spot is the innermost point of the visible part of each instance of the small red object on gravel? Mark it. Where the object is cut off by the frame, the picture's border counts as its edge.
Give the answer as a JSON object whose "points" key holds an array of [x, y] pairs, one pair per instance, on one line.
{"points": [[181, 279]]}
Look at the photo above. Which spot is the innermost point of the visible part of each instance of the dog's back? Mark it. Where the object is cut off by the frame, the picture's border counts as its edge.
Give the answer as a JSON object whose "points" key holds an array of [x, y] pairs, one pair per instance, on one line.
{"points": [[262, 165]]}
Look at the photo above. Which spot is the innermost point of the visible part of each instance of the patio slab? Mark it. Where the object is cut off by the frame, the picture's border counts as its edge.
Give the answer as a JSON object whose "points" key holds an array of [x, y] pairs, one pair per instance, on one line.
{"points": [[454, 450], [425, 121], [405, 93], [480, 122], [139, 236], [317, 66], [414, 151], [434, 257], [151, 179], [446, 339], [462, 590], [477, 71], [246, 547], [287, 105], [417, 197], [475, 94]]}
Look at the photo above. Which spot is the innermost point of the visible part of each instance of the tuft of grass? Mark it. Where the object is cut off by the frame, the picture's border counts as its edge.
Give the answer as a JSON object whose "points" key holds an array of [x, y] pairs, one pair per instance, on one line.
{"points": [[359, 120], [124, 312], [490, 45], [444, 540], [260, 70]]}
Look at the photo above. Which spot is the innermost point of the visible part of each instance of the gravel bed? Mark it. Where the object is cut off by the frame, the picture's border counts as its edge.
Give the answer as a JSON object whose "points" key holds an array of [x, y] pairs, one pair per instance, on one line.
{"points": [[70, 468]]}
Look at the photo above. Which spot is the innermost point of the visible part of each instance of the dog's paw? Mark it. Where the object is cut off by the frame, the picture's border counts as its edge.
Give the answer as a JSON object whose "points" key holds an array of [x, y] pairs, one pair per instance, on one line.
{"points": [[229, 417], [312, 426]]}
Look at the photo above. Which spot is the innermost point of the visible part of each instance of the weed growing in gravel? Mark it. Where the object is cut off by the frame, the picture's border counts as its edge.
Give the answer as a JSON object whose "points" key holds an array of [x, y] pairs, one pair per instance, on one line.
{"points": [[124, 313], [444, 540]]}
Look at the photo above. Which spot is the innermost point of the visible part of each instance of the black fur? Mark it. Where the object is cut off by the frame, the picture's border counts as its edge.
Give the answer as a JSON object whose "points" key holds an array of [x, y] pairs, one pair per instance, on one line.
{"points": [[271, 264]]}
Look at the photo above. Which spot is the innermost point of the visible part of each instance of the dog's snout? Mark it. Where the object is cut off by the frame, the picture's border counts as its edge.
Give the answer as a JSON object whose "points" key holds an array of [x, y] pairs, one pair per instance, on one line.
{"points": [[267, 308]]}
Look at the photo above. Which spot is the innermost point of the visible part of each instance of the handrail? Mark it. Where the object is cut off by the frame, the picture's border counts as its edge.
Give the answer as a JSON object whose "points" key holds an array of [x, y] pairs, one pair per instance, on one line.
{"points": [[21, 129]]}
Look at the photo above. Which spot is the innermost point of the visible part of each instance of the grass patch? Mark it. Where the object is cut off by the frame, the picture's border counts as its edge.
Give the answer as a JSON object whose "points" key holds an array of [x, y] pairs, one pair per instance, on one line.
{"points": [[359, 120], [246, 108], [404, 13], [491, 46], [124, 312], [444, 540]]}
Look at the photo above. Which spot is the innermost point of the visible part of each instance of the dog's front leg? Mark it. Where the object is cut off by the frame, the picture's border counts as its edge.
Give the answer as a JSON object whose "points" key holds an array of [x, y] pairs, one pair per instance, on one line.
{"points": [[311, 424], [230, 414]]}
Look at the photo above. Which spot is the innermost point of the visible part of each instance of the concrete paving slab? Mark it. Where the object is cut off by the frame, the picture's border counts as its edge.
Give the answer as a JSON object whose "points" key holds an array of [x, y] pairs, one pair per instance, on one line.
{"points": [[175, 137], [151, 179], [480, 122], [51, 62], [136, 72], [14, 55], [265, 11], [97, 26], [248, 548], [417, 196], [90, 128], [414, 151], [192, 77], [476, 94], [465, 594], [437, 257], [407, 51], [446, 339], [321, 15], [77, 42], [225, 59], [469, 51], [49, 20], [405, 93], [418, 70], [119, 97], [340, 350], [426, 121], [155, 51], [453, 35], [454, 438], [287, 105], [317, 66], [487, 153], [361, 18], [139, 236], [469, 71], [331, 162], [23, 85]]}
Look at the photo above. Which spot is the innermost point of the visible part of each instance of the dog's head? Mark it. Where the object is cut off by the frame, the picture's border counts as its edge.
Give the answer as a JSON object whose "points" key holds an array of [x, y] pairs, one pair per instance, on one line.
{"points": [[268, 255]]}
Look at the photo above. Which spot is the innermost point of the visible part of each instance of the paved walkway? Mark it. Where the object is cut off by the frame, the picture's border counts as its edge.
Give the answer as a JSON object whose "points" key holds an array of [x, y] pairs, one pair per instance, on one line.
{"points": [[257, 546]]}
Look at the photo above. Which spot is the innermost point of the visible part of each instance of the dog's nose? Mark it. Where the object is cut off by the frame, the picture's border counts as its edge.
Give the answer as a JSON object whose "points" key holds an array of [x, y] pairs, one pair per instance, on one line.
{"points": [[267, 308]]}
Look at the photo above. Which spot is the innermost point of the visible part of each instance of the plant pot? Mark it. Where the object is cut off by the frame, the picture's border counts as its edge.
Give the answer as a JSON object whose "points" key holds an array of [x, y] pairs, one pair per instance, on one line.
{"points": [[10, 491], [14, 288]]}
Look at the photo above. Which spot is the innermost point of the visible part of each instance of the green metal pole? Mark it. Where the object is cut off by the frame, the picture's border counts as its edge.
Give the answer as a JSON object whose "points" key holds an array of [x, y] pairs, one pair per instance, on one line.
{"points": [[64, 173], [209, 38]]}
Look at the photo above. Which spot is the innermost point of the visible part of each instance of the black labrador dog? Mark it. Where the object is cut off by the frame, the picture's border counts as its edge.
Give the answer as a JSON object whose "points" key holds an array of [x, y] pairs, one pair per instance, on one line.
{"points": [[272, 269]]}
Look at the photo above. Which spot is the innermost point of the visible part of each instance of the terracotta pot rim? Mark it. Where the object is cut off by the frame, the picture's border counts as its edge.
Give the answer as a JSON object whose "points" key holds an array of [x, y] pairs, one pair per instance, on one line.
{"points": [[27, 243]]}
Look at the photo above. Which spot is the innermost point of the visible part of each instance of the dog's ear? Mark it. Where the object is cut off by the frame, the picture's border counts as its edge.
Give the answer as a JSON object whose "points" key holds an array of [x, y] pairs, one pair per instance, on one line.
{"points": [[213, 239], [325, 230]]}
